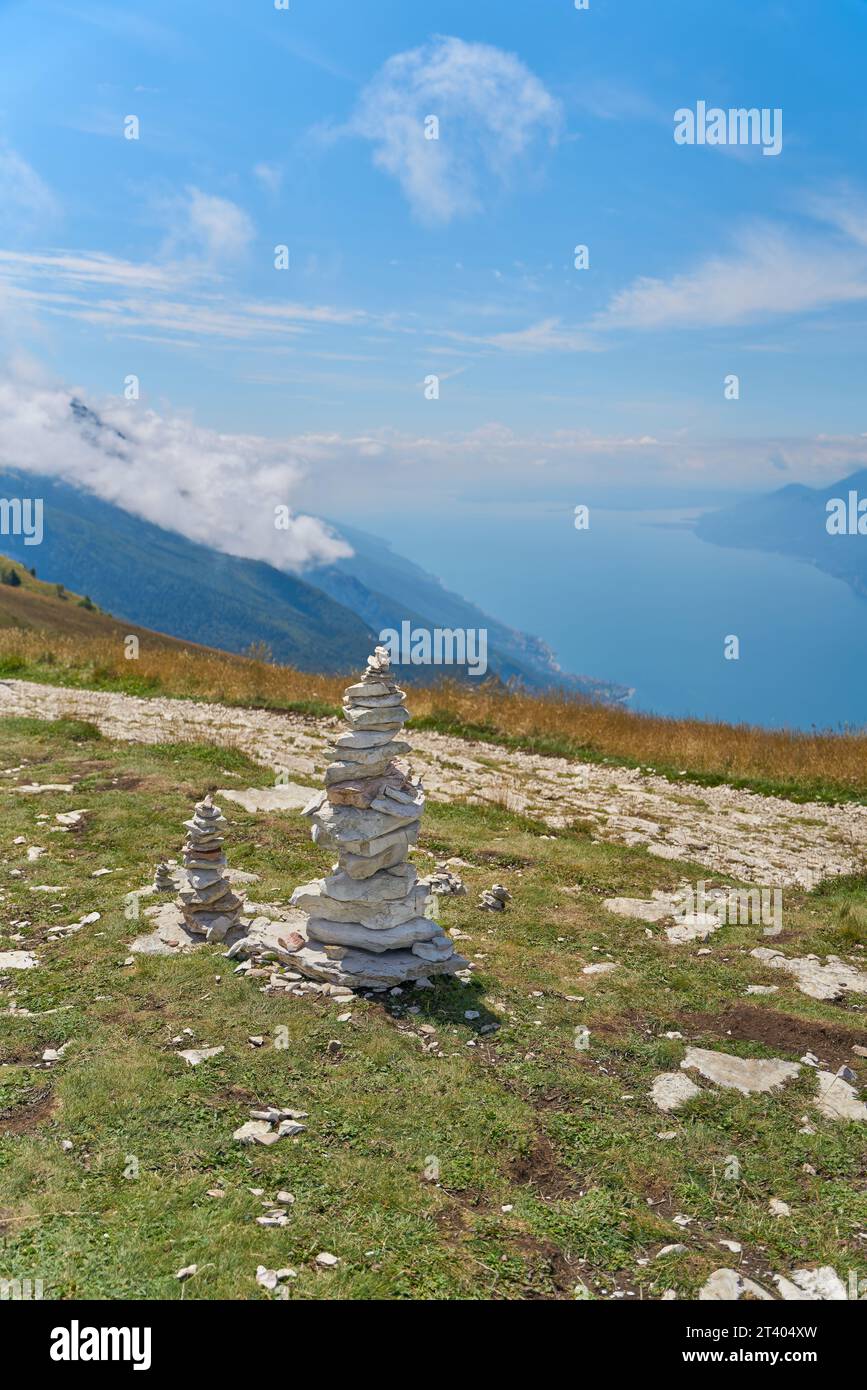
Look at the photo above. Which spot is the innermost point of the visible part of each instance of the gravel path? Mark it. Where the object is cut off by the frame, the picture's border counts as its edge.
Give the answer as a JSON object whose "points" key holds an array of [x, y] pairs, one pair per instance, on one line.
{"points": [[756, 839]]}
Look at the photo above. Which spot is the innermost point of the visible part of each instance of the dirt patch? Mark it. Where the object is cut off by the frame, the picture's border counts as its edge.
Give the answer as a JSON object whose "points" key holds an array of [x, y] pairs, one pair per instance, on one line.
{"points": [[238, 1095], [783, 1032], [547, 1264], [539, 1169], [28, 1114]]}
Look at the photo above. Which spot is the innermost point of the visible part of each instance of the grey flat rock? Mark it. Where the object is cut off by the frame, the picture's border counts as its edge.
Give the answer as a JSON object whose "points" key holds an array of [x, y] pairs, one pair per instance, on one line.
{"points": [[671, 1089], [818, 981], [836, 1099], [288, 796], [381, 939], [727, 1285], [18, 960], [744, 1074]]}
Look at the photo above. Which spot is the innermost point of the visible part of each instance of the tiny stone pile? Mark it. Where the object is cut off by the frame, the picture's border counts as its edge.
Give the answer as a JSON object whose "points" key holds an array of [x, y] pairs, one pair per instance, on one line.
{"points": [[207, 902], [164, 881], [370, 922], [495, 899]]}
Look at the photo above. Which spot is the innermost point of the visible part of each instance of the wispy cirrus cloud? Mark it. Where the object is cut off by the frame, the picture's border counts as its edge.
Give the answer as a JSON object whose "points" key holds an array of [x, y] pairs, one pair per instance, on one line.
{"points": [[184, 298], [490, 107], [26, 201], [767, 272]]}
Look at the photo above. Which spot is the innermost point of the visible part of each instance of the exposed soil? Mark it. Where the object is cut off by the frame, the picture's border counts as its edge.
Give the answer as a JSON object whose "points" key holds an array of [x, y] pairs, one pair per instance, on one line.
{"points": [[785, 1033], [540, 1169], [28, 1114]]}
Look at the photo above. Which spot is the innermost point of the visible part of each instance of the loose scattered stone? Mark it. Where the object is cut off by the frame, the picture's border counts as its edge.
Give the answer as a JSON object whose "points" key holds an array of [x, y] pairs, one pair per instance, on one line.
{"points": [[836, 1099], [818, 981], [209, 906], [822, 1285], [602, 967], [370, 922], [326, 1259], [727, 1285], [34, 788], [187, 1272], [270, 1125], [17, 960], [777, 1207], [286, 796], [194, 1056], [744, 1074], [671, 1089]]}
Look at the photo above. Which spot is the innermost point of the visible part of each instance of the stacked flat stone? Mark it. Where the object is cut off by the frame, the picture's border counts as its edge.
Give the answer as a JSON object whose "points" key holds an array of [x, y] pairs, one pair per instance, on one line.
{"points": [[164, 881], [370, 921], [207, 902]]}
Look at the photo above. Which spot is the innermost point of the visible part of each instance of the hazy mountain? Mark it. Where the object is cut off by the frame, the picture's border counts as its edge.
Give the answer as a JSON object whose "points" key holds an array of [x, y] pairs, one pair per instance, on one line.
{"points": [[325, 621], [161, 580], [794, 521]]}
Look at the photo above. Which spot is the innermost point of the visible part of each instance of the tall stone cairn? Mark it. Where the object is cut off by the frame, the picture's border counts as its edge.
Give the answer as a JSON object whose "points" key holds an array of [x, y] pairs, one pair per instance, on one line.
{"points": [[370, 923], [207, 902]]}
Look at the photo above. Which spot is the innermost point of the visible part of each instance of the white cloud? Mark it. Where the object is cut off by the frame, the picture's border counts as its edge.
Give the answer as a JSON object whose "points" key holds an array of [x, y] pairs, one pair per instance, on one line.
{"points": [[125, 297], [211, 227], [269, 175], [219, 489], [26, 202], [490, 109], [768, 272]]}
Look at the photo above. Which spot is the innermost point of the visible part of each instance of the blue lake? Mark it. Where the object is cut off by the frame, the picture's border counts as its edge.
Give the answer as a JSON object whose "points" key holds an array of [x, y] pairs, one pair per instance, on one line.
{"points": [[639, 599]]}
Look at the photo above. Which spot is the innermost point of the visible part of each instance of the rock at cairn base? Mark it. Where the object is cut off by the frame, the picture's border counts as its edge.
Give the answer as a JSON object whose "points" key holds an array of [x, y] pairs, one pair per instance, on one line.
{"points": [[207, 902], [370, 923]]}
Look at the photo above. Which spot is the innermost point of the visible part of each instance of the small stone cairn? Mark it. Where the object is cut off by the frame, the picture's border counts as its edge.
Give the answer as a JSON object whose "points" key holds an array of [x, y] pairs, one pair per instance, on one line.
{"points": [[209, 906], [370, 921], [164, 879]]}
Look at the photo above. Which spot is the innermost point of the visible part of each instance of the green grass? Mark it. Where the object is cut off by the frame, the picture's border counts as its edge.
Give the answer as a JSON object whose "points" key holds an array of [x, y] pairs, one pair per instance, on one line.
{"points": [[518, 1118]]}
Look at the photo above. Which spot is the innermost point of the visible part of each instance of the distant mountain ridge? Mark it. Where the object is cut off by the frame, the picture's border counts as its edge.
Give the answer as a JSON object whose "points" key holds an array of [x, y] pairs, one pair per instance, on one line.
{"points": [[326, 620], [794, 521]]}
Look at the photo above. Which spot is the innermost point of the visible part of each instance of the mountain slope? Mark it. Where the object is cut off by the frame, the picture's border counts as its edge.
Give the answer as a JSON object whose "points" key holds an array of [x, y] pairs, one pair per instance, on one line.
{"points": [[161, 580], [793, 521]]}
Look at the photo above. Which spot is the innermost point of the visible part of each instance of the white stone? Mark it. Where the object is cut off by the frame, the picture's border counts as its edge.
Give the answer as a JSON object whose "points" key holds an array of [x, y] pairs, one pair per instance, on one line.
{"points": [[17, 960], [727, 1285], [671, 1089], [818, 981], [836, 1099], [744, 1074], [822, 1285], [194, 1056], [287, 796]]}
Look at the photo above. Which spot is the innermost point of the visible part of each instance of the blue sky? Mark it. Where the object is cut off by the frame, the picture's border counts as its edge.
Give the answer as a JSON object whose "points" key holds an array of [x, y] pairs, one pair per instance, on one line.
{"points": [[261, 127]]}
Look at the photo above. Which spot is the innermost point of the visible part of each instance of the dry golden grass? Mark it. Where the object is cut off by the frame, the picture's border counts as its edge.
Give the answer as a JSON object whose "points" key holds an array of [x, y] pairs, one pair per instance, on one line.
{"points": [[817, 763]]}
